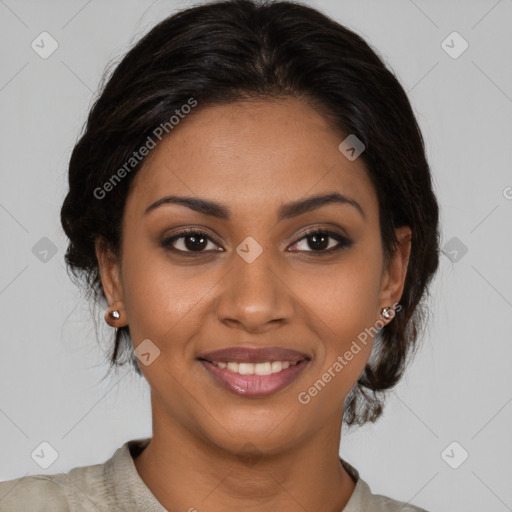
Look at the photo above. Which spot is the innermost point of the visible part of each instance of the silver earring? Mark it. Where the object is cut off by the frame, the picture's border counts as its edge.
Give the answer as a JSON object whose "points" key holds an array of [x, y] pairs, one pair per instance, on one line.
{"points": [[387, 312], [115, 314]]}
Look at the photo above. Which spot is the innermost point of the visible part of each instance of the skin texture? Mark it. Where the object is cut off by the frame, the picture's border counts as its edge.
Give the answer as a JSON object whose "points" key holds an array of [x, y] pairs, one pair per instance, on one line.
{"points": [[252, 157]]}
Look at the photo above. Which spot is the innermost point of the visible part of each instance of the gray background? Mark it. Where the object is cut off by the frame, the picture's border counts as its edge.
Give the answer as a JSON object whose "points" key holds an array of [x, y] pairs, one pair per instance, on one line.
{"points": [[459, 387]]}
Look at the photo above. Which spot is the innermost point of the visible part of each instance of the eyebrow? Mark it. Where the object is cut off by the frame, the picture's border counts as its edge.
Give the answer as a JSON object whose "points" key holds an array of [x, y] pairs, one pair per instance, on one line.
{"points": [[286, 211]]}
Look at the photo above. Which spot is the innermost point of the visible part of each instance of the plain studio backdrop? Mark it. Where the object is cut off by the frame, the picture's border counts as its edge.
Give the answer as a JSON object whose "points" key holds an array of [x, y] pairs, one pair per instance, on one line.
{"points": [[444, 441]]}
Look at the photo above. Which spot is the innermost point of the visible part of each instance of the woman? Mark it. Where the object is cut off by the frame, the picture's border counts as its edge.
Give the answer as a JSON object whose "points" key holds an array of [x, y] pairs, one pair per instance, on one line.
{"points": [[252, 203]]}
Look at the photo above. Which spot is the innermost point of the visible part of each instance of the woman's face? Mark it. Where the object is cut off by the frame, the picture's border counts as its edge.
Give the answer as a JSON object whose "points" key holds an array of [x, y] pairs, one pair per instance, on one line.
{"points": [[253, 279]]}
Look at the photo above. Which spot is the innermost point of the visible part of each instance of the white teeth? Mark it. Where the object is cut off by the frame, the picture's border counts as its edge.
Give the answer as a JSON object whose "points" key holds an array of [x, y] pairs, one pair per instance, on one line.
{"points": [[233, 367], [255, 368], [263, 368], [277, 366], [246, 368]]}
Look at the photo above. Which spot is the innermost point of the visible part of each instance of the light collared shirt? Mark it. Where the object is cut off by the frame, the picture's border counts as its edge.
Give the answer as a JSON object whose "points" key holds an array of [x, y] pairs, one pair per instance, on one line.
{"points": [[116, 485]]}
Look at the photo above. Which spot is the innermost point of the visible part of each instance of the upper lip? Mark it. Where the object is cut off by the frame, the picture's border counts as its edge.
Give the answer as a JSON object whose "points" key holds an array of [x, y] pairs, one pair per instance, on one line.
{"points": [[253, 355]]}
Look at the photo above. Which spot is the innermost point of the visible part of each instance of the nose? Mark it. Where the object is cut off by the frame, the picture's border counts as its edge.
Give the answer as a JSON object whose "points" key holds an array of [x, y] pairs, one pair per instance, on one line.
{"points": [[255, 296]]}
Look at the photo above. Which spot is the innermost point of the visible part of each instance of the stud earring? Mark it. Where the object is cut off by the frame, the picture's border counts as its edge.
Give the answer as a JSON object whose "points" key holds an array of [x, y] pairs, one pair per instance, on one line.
{"points": [[115, 314], [112, 315], [387, 313]]}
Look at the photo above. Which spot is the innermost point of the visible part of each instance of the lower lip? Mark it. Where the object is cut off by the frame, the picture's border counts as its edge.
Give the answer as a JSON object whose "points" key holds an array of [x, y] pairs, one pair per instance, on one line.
{"points": [[254, 385]]}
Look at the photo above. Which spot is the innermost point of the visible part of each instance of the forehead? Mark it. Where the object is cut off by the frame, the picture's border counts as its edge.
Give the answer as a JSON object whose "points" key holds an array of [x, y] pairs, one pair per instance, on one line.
{"points": [[251, 155]]}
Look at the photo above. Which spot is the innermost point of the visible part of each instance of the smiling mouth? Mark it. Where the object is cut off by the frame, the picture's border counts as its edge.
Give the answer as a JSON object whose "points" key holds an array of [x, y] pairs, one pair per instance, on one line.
{"points": [[254, 379]]}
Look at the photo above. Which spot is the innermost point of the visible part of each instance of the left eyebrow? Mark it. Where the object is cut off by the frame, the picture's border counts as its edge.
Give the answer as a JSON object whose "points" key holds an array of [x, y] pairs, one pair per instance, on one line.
{"points": [[286, 211]]}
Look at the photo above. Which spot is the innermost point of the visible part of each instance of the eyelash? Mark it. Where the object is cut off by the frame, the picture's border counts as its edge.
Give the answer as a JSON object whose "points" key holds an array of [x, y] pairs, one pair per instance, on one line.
{"points": [[343, 242]]}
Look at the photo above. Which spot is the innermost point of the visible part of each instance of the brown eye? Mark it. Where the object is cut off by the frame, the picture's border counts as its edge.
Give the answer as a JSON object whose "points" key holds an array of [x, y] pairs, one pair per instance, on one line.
{"points": [[193, 241], [318, 241]]}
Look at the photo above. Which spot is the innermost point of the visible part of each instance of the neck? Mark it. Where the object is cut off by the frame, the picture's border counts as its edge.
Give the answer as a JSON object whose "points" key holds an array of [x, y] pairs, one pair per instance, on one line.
{"points": [[186, 472]]}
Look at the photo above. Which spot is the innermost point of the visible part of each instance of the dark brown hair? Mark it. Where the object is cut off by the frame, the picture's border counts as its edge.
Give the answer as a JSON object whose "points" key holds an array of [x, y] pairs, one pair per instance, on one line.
{"points": [[227, 51]]}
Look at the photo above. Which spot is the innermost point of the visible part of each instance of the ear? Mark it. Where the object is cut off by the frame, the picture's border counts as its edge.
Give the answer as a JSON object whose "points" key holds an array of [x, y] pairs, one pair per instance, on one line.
{"points": [[393, 277], [110, 273]]}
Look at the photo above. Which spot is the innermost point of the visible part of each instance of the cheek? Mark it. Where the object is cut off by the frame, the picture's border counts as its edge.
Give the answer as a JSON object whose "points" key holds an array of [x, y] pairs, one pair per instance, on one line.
{"points": [[345, 304], [161, 297], [345, 295]]}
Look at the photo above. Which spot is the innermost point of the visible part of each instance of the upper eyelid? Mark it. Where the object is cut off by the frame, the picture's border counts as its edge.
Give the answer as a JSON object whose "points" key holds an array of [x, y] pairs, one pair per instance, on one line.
{"points": [[312, 230]]}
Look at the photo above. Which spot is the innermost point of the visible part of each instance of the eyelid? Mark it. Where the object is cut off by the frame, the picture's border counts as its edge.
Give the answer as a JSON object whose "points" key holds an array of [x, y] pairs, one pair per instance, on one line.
{"points": [[342, 240], [323, 229], [167, 242]]}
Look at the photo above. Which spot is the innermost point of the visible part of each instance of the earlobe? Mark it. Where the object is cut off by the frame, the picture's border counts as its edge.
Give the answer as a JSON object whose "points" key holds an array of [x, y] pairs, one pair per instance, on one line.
{"points": [[395, 274], [112, 287]]}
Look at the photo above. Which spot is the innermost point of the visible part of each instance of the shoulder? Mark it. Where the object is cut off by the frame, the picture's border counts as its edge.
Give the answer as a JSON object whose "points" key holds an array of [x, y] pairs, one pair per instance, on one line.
{"points": [[40, 493], [60, 492], [386, 504], [111, 485], [363, 499], [382, 503]]}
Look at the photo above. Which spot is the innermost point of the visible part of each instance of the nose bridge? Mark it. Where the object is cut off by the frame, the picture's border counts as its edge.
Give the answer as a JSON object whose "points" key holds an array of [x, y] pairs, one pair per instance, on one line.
{"points": [[253, 293]]}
